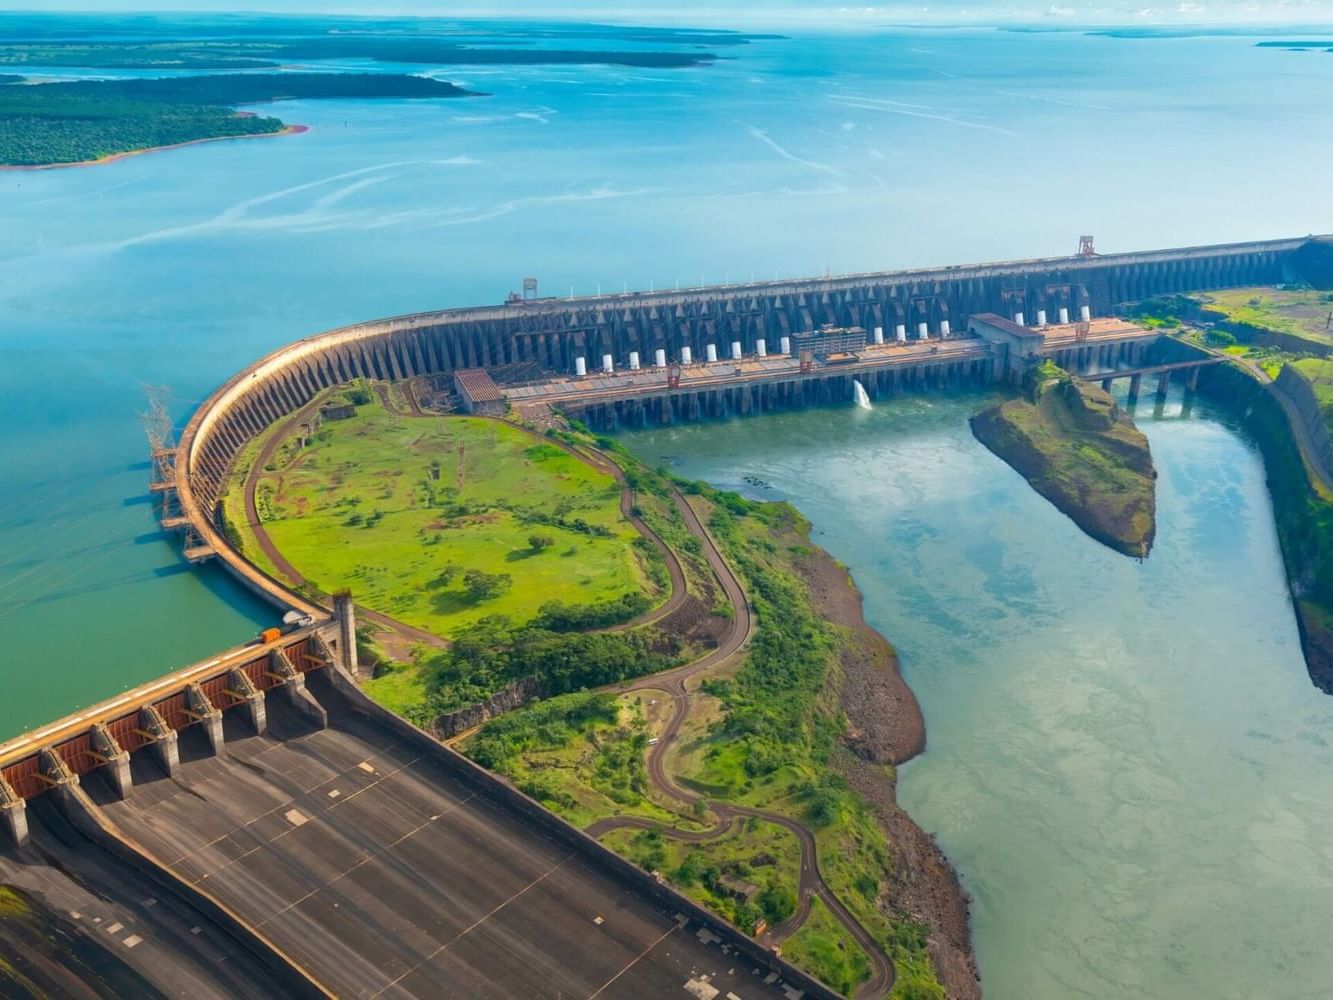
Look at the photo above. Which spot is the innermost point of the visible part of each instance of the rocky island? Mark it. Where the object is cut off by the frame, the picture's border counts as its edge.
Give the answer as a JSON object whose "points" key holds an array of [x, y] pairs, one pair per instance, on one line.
{"points": [[1080, 451]]}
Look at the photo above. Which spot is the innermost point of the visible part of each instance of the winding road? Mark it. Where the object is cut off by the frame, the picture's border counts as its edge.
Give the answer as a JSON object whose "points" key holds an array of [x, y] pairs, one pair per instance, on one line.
{"points": [[675, 682]]}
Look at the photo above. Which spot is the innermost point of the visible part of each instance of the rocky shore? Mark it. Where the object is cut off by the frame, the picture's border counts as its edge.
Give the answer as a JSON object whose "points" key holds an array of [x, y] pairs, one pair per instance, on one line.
{"points": [[1080, 451], [886, 728]]}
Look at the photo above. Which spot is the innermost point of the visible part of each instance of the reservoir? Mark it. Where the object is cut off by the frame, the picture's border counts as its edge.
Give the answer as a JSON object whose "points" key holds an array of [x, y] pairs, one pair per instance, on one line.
{"points": [[1126, 761]]}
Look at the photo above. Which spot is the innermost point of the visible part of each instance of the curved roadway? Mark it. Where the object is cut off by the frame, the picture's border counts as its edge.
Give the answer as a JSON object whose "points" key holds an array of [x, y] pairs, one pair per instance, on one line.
{"points": [[811, 881], [674, 681]]}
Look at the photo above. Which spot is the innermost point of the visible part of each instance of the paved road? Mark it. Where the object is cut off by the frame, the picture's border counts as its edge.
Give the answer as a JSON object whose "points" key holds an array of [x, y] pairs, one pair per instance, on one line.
{"points": [[732, 644]]}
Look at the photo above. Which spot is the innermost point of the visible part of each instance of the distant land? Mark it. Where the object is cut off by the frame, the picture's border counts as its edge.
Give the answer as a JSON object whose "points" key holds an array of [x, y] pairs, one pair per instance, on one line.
{"points": [[55, 124], [270, 54], [61, 123]]}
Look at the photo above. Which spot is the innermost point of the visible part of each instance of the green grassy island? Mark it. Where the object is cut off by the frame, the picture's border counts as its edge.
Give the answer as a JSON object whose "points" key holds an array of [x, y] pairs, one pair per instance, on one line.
{"points": [[676, 670], [56, 124], [1079, 450]]}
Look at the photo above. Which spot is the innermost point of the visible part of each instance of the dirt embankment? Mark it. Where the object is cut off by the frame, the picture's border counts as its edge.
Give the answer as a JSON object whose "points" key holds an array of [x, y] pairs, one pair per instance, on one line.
{"points": [[1080, 451], [885, 727]]}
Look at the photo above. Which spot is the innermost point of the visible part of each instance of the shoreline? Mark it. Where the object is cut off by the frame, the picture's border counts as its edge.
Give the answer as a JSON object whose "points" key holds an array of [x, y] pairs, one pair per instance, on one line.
{"points": [[886, 728], [113, 157]]}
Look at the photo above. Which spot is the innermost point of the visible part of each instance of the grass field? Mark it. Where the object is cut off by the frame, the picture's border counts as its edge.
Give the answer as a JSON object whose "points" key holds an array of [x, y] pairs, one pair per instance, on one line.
{"points": [[1302, 313], [823, 943], [400, 509]]}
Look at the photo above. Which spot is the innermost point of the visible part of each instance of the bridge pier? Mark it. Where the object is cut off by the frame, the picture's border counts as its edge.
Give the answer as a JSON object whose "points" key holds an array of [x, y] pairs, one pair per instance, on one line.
{"points": [[115, 761], [1106, 384], [293, 689], [1192, 383], [165, 742], [13, 814], [1135, 381], [209, 716], [253, 699], [1163, 383]]}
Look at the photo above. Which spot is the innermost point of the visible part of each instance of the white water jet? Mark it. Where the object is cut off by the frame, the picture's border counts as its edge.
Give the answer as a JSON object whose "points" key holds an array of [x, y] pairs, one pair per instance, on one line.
{"points": [[859, 394]]}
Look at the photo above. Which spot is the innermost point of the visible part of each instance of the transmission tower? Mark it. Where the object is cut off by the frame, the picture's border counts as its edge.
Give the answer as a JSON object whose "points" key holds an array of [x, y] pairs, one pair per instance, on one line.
{"points": [[160, 429]]}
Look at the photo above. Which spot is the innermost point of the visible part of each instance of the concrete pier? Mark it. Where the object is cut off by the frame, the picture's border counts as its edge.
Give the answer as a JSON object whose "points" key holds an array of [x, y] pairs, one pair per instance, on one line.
{"points": [[115, 761], [252, 700], [344, 612], [208, 716], [13, 815], [163, 739]]}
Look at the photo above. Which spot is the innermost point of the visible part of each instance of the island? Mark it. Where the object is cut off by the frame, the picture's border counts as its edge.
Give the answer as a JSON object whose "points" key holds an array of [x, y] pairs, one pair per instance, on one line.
{"points": [[91, 121], [1079, 450]]}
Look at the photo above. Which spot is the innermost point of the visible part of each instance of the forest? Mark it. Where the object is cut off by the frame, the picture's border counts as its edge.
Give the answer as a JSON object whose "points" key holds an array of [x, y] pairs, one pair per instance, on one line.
{"points": [[55, 123], [270, 53]]}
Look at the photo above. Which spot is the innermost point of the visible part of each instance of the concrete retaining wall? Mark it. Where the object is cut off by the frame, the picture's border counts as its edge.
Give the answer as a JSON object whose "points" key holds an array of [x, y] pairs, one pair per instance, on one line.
{"points": [[542, 818], [1298, 390]]}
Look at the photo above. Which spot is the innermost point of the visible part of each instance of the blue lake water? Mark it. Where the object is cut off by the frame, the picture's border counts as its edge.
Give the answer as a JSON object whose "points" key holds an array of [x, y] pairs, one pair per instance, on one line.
{"points": [[832, 152]]}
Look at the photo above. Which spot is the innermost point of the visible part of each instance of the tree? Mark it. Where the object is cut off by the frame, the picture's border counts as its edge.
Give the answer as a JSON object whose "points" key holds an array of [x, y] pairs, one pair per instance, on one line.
{"points": [[540, 543], [445, 578], [483, 586], [778, 902]]}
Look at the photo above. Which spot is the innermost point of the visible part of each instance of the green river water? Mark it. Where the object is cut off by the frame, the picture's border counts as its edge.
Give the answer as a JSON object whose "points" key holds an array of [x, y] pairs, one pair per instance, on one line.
{"points": [[1126, 761]]}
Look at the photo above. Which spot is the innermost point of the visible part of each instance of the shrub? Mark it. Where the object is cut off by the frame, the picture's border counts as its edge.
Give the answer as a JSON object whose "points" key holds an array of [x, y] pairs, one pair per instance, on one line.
{"points": [[483, 586]]}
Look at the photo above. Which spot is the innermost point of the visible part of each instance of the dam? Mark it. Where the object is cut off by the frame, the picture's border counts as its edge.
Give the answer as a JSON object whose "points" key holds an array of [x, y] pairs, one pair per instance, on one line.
{"points": [[210, 791]]}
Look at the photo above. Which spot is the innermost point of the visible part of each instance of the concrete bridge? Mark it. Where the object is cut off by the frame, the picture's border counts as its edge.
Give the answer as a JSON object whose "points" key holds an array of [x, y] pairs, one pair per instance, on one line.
{"points": [[1163, 371]]}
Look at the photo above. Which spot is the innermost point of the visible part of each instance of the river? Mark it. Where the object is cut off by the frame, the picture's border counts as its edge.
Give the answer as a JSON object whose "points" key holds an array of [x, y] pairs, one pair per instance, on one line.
{"points": [[1127, 761]]}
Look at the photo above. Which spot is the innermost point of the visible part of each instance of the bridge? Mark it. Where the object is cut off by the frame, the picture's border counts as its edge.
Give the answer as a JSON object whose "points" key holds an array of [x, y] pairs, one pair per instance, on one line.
{"points": [[1163, 371]]}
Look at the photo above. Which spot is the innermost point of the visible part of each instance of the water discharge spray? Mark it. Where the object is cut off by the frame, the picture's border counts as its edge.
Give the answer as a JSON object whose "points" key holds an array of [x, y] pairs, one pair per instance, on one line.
{"points": [[859, 394]]}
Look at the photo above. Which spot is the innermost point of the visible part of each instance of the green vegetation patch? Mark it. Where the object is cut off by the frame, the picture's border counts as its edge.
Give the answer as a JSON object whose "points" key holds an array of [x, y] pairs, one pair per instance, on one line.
{"points": [[1076, 447], [493, 654], [1319, 373], [750, 875], [581, 755], [270, 53], [53, 123], [1302, 313], [442, 522], [823, 943]]}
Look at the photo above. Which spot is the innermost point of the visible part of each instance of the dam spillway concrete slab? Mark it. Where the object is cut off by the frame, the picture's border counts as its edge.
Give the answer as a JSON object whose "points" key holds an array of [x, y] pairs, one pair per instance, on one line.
{"points": [[383, 873], [108, 933]]}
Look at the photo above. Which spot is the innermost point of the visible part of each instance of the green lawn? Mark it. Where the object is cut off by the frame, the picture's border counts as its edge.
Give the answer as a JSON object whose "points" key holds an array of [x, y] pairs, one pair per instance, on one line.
{"points": [[1301, 313], [824, 945], [399, 509]]}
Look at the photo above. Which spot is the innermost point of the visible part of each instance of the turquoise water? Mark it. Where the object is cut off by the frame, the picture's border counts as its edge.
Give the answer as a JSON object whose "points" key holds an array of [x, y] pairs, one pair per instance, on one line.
{"points": [[1126, 761]]}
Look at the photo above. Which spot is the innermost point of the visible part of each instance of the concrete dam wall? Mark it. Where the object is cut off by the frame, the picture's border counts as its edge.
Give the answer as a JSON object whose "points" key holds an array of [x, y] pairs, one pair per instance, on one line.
{"points": [[546, 335]]}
